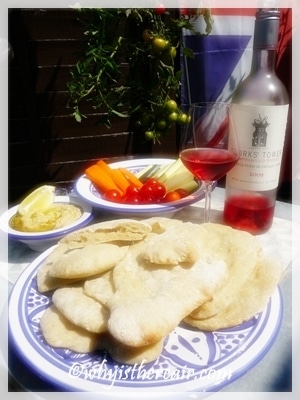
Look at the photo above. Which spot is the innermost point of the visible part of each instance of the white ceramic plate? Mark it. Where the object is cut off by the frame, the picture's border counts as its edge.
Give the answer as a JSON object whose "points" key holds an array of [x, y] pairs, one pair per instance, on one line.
{"points": [[87, 191], [40, 241], [191, 360]]}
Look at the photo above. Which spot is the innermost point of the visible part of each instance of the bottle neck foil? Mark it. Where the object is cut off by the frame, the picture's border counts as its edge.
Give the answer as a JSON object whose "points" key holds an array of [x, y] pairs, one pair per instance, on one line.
{"points": [[266, 29]]}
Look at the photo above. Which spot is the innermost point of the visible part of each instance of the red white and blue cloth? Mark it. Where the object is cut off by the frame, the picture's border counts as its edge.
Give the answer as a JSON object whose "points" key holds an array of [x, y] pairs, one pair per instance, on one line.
{"points": [[222, 58]]}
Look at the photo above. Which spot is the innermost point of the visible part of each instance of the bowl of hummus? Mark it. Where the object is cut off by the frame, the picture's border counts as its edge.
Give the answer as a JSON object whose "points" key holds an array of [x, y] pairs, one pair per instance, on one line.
{"points": [[44, 228]]}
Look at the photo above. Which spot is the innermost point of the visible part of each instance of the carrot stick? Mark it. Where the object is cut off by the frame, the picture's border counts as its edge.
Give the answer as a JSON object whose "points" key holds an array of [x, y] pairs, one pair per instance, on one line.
{"points": [[120, 179], [117, 176], [105, 167], [131, 177], [100, 178]]}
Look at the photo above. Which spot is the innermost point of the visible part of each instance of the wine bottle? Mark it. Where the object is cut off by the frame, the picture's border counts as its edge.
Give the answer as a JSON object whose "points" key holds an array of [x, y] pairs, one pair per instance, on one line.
{"points": [[259, 114]]}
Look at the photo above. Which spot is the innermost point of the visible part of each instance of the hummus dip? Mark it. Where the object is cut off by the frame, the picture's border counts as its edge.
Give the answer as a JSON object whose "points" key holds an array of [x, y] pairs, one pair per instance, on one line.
{"points": [[55, 217]]}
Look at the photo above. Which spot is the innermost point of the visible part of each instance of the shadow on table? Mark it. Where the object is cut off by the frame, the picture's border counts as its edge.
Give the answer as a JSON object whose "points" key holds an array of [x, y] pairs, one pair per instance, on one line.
{"points": [[284, 381]]}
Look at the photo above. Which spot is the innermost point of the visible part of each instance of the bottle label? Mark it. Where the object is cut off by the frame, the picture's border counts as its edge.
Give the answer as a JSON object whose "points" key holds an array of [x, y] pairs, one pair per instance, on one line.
{"points": [[260, 131]]}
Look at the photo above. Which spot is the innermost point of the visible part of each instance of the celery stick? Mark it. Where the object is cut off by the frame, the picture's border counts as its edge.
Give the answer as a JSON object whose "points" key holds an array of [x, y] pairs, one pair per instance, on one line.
{"points": [[179, 179], [172, 170], [161, 170], [143, 171], [189, 186]]}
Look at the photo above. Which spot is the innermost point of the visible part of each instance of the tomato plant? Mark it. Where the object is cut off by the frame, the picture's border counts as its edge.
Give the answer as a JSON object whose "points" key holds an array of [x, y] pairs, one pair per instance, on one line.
{"points": [[144, 38]]}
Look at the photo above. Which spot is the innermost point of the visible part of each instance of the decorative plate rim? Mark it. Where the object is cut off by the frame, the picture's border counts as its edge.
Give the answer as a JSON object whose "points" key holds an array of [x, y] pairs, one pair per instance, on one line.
{"points": [[261, 332]]}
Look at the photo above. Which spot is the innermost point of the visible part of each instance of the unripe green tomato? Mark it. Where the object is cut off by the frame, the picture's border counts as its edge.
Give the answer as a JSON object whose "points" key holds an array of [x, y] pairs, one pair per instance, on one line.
{"points": [[161, 124], [170, 105], [172, 52], [149, 135], [146, 119], [182, 119], [172, 117], [159, 44]]}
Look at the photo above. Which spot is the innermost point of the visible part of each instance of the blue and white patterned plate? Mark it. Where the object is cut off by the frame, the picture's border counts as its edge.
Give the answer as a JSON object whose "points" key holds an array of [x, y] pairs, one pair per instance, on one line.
{"points": [[85, 189], [191, 360]]}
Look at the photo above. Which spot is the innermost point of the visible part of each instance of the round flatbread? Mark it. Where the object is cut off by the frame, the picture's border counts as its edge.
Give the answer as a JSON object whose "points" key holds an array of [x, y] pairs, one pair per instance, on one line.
{"points": [[250, 299], [60, 332], [81, 310], [120, 230], [90, 260], [240, 251]]}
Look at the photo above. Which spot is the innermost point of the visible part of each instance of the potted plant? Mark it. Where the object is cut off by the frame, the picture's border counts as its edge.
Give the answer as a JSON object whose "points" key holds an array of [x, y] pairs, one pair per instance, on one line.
{"points": [[148, 43]]}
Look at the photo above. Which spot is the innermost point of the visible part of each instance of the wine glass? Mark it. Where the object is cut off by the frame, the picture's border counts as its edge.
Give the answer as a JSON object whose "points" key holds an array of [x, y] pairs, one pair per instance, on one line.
{"points": [[209, 147]]}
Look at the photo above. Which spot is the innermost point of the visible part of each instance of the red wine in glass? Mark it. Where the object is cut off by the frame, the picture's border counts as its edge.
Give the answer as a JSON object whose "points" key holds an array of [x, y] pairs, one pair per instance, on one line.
{"points": [[208, 164], [207, 149]]}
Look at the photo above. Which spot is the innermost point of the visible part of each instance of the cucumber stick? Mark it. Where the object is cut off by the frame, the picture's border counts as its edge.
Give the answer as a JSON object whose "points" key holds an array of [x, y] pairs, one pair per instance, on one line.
{"points": [[173, 176], [171, 170]]}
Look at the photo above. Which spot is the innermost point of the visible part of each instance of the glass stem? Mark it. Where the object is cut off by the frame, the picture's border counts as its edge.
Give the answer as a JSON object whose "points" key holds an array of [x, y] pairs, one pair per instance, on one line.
{"points": [[207, 205]]}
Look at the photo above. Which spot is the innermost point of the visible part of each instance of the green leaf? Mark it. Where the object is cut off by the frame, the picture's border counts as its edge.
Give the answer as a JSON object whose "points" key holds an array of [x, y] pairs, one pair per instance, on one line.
{"points": [[187, 52]]}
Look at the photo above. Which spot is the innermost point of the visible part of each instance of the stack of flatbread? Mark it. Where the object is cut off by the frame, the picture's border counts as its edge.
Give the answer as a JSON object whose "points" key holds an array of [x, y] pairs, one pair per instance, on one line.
{"points": [[124, 285]]}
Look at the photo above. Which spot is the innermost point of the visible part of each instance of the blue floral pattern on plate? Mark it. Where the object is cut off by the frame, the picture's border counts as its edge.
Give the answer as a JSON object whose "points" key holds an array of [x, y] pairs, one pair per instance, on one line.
{"points": [[190, 360]]}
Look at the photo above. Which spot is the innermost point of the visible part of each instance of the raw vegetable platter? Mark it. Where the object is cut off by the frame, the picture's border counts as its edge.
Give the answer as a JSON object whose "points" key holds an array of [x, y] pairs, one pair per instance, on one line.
{"points": [[85, 189]]}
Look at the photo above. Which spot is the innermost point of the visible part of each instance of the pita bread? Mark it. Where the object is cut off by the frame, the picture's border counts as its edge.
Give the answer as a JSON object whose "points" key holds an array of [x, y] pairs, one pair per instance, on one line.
{"points": [[81, 310], [87, 261], [240, 251], [45, 282], [170, 248], [161, 224], [100, 288], [60, 332], [151, 300], [122, 230], [130, 355], [251, 298]]}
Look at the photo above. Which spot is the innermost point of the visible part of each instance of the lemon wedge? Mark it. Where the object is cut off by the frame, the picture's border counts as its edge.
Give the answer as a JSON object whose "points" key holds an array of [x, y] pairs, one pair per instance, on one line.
{"points": [[38, 200]]}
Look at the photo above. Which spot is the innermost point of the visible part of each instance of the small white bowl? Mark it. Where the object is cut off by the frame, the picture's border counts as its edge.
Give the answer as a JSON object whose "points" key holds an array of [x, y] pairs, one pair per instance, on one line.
{"points": [[40, 241]]}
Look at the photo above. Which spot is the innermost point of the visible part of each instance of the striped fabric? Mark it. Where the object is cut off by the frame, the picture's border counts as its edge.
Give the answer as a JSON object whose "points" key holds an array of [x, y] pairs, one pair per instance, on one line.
{"points": [[223, 58]]}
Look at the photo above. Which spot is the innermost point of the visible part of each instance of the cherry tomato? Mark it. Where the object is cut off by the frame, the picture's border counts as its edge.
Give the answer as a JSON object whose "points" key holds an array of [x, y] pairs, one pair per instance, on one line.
{"points": [[159, 44], [146, 119], [172, 117], [159, 190], [132, 190], [182, 118], [172, 196], [182, 192], [161, 124], [148, 199], [170, 105], [151, 181], [172, 52], [147, 35], [146, 191], [149, 135], [112, 195], [132, 199], [160, 9]]}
